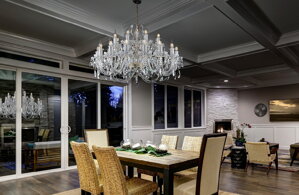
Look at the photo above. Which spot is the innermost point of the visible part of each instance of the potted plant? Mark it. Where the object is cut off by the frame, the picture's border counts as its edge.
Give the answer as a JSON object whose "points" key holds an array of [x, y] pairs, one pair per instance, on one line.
{"points": [[240, 139]]}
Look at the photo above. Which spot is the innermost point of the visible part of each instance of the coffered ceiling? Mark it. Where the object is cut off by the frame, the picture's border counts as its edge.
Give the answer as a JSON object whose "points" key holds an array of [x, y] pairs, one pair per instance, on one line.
{"points": [[250, 43]]}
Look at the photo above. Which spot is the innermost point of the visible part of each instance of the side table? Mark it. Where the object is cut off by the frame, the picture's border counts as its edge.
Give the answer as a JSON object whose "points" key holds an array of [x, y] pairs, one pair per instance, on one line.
{"points": [[238, 157]]}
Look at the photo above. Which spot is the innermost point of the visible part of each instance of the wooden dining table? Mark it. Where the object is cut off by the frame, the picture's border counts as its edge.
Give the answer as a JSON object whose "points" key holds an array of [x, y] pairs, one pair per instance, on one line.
{"points": [[179, 160]]}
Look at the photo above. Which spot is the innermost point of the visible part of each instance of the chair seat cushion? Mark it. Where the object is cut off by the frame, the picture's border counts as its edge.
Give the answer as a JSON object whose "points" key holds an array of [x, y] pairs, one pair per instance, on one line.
{"points": [[226, 153], [186, 173], [272, 158], [137, 186], [296, 145]]}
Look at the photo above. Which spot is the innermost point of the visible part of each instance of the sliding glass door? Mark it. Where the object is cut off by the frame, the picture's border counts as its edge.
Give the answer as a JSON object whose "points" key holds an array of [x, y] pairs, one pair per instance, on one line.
{"points": [[33, 136], [112, 112], [7, 123], [82, 110], [41, 122]]}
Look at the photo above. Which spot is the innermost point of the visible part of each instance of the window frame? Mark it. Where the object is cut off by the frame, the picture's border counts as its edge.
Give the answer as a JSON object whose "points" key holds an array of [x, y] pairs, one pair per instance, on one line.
{"points": [[181, 107], [203, 111]]}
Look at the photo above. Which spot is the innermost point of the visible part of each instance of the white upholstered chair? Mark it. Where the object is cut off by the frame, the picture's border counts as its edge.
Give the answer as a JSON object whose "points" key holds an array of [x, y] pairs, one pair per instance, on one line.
{"points": [[207, 180], [190, 143], [228, 145], [170, 140], [259, 153], [97, 137]]}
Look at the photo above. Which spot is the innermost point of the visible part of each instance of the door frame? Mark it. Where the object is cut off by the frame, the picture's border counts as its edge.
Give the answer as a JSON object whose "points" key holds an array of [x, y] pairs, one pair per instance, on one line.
{"points": [[19, 67]]}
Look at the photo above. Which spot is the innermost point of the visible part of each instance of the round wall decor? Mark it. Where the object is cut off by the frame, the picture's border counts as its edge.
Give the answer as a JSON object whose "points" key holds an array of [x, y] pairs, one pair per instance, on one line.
{"points": [[260, 110]]}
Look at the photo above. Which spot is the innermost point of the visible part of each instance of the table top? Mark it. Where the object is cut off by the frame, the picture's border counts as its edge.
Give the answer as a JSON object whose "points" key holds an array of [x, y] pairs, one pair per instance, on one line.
{"points": [[177, 158]]}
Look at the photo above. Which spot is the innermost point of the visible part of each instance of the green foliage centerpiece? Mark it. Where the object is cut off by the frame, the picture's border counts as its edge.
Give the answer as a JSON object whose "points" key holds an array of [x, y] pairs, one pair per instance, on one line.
{"points": [[147, 149]]}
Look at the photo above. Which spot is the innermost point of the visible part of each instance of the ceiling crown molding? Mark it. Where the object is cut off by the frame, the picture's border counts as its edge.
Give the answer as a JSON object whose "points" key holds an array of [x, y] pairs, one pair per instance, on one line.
{"points": [[71, 14], [36, 44]]}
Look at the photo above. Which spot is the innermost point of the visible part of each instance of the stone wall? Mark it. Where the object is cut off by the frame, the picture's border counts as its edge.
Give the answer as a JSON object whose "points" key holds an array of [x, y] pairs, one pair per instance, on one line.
{"points": [[221, 104]]}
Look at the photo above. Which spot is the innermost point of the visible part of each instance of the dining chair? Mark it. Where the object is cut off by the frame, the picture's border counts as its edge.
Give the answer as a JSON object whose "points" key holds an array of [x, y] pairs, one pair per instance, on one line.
{"points": [[89, 174], [207, 180], [228, 145], [98, 137], [171, 142], [114, 178], [259, 153], [190, 143]]}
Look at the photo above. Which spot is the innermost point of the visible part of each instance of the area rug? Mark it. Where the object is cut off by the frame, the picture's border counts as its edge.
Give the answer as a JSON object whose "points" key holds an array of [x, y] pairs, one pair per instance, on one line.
{"points": [[284, 161], [78, 192]]}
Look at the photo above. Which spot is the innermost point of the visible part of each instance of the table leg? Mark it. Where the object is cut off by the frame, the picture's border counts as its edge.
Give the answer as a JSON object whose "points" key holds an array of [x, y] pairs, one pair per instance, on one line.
{"points": [[130, 171], [294, 156], [276, 161], [168, 182]]}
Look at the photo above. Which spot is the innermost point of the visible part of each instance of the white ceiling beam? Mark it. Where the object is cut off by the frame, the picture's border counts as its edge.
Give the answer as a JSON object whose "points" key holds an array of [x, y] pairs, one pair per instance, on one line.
{"points": [[252, 80], [207, 79], [219, 68], [248, 16], [262, 70], [288, 38], [230, 52], [276, 82]]}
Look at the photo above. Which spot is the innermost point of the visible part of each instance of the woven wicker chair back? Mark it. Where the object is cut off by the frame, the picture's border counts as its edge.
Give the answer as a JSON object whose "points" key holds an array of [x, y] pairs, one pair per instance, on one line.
{"points": [[111, 170], [86, 168]]}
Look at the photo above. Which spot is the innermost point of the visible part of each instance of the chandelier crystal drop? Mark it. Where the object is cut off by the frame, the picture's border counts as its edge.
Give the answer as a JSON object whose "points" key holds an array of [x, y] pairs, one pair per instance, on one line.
{"points": [[30, 108], [137, 56]]}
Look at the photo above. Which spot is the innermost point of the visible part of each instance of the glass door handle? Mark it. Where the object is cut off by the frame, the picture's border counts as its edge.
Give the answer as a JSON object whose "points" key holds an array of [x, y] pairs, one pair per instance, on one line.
{"points": [[65, 130]]}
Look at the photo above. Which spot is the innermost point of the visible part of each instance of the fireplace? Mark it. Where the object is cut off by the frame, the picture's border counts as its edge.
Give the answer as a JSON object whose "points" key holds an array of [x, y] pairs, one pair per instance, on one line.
{"points": [[221, 125]]}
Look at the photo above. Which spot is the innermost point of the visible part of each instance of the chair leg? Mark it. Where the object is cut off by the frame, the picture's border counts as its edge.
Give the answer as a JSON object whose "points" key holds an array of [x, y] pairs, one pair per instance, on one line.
{"points": [[269, 167], [247, 164], [154, 179], [223, 158], [160, 184], [294, 156]]}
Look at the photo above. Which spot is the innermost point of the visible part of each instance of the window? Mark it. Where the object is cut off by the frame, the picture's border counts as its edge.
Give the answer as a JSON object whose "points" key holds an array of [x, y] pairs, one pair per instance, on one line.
{"points": [[159, 101], [193, 108], [188, 108], [196, 108], [172, 107], [29, 59]]}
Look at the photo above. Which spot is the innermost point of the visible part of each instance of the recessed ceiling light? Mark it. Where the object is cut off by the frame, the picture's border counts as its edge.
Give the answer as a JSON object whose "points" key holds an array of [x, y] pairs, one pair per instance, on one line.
{"points": [[226, 81]]}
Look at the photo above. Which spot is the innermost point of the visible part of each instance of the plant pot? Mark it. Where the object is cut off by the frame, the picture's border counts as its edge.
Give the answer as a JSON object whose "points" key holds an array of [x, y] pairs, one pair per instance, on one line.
{"points": [[239, 143]]}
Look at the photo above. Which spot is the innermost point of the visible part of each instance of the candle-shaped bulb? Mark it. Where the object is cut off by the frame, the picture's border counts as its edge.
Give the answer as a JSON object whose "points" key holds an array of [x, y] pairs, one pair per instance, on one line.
{"points": [[158, 35], [145, 31], [110, 42], [128, 32], [115, 35], [101, 45], [171, 45], [176, 49]]}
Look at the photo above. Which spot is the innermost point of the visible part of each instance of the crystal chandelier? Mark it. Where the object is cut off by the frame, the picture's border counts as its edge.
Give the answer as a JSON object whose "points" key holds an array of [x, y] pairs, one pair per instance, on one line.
{"points": [[137, 56], [30, 108]]}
